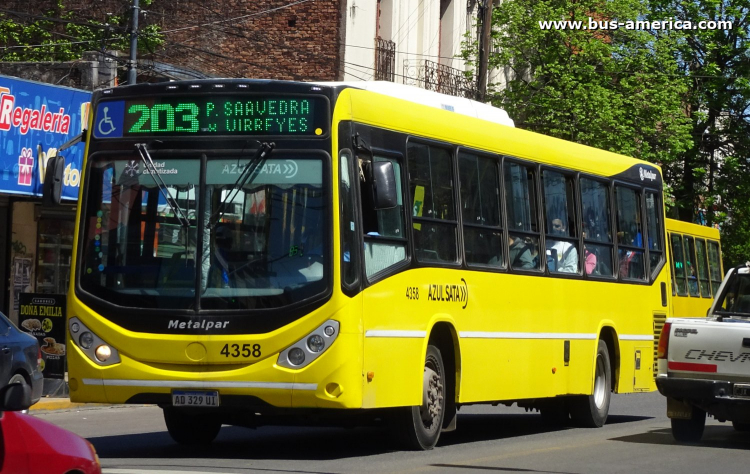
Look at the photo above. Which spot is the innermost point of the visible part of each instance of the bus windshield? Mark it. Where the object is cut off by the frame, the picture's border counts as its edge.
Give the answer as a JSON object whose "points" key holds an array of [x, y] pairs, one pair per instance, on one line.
{"points": [[187, 239]]}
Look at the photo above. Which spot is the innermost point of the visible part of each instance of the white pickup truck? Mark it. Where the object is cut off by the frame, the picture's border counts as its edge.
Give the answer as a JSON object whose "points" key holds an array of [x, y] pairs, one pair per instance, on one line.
{"points": [[704, 363]]}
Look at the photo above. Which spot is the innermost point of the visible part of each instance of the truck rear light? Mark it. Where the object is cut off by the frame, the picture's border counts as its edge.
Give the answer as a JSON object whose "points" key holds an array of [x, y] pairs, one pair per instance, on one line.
{"points": [[692, 367], [663, 347]]}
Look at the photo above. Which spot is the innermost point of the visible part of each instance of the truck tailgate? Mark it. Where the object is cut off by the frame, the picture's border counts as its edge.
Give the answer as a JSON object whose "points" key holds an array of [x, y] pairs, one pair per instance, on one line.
{"points": [[707, 346]]}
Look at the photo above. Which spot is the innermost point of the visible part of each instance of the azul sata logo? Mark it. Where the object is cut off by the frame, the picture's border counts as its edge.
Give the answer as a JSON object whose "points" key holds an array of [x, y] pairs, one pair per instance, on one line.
{"points": [[25, 119]]}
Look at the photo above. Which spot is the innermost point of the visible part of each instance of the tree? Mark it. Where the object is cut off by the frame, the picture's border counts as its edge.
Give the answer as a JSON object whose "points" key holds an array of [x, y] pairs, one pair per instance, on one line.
{"points": [[713, 173], [62, 30], [673, 96], [613, 89]]}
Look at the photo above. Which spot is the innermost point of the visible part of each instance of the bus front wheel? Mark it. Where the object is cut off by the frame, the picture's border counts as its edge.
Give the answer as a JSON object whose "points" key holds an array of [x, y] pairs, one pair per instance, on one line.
{"points": [[591, 411], [191, 429], [418, 427]]}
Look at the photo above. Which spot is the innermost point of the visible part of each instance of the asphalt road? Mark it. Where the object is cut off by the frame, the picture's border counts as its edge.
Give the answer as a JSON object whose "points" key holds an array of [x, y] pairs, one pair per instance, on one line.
{"points": [[636, 439]]}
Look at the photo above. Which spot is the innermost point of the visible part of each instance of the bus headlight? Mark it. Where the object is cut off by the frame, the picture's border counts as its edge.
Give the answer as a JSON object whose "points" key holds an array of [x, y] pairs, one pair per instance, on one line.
{"points": [[86, 340], [92, 345], [296, 356], [316, 343], [310, 347], [103, 352]]}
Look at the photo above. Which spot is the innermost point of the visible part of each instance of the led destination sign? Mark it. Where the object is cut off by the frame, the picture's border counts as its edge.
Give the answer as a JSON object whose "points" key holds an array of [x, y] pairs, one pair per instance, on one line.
{"points": [[214, 115]]}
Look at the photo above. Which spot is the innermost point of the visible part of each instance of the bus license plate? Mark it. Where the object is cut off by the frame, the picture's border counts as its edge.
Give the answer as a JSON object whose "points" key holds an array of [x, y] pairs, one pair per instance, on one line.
{"points": [[742, 390], [183, 398]]}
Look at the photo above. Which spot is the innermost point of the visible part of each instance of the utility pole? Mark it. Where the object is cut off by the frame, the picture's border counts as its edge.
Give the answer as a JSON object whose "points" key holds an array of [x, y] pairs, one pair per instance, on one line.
{"points": [[485, 16], [133, 43]]}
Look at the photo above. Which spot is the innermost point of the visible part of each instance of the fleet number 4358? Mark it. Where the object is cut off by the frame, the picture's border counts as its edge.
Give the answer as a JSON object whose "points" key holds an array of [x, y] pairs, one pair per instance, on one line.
{"points": [[244, 350]]}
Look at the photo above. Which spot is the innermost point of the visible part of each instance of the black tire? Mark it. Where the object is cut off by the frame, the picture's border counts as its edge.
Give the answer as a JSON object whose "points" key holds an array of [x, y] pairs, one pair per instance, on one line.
{"points": [[590, 411], [191, 429], [19, 378], [418, 427], [689, 431], [741, 426]]}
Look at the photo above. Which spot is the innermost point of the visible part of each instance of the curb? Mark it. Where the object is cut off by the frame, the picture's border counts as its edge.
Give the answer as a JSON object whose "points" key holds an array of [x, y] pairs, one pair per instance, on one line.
{"points": [[51, 404]]}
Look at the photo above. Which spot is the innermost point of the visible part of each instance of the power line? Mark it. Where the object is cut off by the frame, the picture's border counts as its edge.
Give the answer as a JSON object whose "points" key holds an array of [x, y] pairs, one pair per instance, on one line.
{"points": [[237, 18]]}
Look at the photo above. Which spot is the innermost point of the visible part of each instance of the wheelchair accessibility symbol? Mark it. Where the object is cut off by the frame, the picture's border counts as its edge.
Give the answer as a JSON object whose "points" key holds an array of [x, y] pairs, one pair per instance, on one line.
{"points": [[106, 124], [109, 119]]}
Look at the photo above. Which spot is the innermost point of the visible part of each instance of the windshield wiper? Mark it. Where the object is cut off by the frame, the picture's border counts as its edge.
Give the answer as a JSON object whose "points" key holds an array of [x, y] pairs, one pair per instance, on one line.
{"points": [[151, 168], [246, 177]]}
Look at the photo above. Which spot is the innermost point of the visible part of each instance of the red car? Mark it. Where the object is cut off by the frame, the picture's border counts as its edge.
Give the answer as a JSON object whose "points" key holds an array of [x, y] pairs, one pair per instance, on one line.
{"points": [[29, 445]]}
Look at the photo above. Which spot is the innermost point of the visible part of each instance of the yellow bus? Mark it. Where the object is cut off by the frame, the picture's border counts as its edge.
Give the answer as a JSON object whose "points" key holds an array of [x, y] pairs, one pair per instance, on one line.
{"points": [[695, 254], [338, 252]]}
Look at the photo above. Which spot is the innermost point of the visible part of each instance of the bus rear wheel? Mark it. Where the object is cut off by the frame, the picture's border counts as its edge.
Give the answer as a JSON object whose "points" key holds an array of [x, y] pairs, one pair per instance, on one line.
{"points": [[418, 427], [191, 429], [590, 411]]}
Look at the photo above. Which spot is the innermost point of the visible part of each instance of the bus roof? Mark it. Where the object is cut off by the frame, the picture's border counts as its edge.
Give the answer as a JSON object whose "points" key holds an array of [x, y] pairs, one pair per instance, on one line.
{"points": [[459, 105], [674, 225]]}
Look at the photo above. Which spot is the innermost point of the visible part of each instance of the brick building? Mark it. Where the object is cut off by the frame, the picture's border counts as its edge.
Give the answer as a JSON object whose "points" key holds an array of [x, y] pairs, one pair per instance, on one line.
{"points": [[407, 41]]}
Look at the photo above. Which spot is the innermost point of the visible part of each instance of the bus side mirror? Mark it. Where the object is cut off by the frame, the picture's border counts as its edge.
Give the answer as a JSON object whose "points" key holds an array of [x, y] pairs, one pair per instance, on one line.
{"points": [[384, 185], [53, 181]]}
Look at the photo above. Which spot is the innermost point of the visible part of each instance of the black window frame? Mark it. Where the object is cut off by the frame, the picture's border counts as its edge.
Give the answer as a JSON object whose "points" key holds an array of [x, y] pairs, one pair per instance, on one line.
{"points": [[654, 270], [499, 199], [609, 185], [418, 220], [573, 224], [534, 212], [406, 240], [639, 191]]}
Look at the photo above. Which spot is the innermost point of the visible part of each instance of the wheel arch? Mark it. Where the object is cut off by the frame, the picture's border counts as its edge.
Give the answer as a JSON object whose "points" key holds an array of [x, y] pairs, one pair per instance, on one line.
{"points": [[444, 336], [609, 336]]}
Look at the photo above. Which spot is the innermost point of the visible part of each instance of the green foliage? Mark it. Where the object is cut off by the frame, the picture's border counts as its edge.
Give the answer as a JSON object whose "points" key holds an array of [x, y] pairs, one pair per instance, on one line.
{"points": [[59, 33], [677, 98], [612, 89]]}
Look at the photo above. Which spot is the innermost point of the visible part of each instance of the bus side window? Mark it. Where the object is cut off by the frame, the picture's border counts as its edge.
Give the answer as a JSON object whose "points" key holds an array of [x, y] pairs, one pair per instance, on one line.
{"points": [[597, 227], [480, 205], [703, 281], [654, 224], [714, 265], [678, 263], [521, 208], [433, 211], [692, 276], [629, 234], [561, 240], [385, 238], [349, 247]]}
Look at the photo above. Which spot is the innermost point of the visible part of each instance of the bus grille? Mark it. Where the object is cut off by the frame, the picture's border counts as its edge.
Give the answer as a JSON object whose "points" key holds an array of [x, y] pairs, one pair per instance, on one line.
{"points": [[659, 320]]}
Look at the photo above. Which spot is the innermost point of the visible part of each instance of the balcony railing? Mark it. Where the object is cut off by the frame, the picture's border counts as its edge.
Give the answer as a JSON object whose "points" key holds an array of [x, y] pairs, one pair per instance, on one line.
{"points": [[385, 60], [438, 77]]}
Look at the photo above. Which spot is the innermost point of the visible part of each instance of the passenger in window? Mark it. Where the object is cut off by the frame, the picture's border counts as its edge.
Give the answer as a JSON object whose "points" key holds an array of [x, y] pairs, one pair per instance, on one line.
{"points": [[519, 253], [589, 257], [564, 254]]}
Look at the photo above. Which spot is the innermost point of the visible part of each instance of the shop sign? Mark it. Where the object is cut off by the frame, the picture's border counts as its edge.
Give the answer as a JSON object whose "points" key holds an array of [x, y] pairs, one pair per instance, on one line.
{"points": [[35, 120], [43, 316]]}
